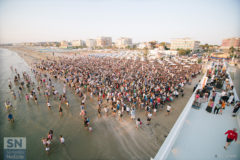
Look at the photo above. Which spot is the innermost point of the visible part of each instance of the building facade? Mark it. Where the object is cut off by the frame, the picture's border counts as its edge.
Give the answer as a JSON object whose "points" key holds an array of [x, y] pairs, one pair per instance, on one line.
{"points": [[104, 42], [65, 44], [184, 43], [124, 42], [78, 43], [91, 43], [230, 42]]}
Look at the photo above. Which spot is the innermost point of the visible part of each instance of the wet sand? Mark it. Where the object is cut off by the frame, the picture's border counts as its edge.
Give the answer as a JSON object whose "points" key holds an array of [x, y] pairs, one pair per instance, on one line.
{"points": [[110, 138]]}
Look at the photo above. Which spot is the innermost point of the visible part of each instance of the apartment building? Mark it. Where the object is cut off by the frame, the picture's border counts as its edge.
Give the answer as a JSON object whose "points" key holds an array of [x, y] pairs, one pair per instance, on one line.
{"points": [[124, 42], [91, 43], [184, 43], [230, 42], [104, 42], [78, 43]]}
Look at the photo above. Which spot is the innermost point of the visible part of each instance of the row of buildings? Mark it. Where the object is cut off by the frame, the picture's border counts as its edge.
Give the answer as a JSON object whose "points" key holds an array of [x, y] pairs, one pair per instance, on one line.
{"points": [[125, 43], [180, 43], [187, 43], [101, 42]]}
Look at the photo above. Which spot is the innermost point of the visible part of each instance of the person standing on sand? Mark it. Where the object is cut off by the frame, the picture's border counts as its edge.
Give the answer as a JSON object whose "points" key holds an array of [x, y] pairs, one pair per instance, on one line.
{"points": [[82, 113], [67, 103], [138, 123], [232, 135], [48, 105], [120, 115], [27, 97], [19, 95], [14, 94], [99, 111], [168, 109], [86, 122], [60, 109], [106, 111], [35, 99], [133, 113], [149, 117], [62, 140]]}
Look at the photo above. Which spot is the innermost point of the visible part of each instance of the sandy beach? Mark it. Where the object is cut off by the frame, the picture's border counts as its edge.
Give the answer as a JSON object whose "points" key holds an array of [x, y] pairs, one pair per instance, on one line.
{"points": [[110, 139]]}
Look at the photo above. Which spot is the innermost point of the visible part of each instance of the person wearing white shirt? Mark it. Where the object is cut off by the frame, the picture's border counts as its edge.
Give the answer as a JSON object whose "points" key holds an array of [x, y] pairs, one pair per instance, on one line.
{"points": [[61, 139], [168, 109]]}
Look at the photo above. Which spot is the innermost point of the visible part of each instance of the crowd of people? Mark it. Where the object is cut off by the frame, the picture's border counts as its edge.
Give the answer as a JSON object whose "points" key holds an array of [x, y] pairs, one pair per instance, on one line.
{"points": [[48, 141], [125, 84], [217, 83], [121, 86]]}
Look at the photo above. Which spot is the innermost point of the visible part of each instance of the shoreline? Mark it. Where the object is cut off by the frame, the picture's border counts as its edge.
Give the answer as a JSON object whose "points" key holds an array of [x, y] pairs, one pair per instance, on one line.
{"points": [[143, 143]]}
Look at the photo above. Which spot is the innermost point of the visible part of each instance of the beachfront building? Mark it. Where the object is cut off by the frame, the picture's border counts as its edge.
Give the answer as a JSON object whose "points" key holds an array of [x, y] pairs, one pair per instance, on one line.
{"points": [[124, 42], [65, 44], [230, 42], [185, 43], [91, 43], [104, 42], [78, 43]]}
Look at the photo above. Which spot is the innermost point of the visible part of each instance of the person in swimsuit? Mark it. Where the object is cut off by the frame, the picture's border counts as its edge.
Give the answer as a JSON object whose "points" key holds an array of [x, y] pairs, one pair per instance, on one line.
{"points": [[50, 134], [10, 117], [49, 105]]}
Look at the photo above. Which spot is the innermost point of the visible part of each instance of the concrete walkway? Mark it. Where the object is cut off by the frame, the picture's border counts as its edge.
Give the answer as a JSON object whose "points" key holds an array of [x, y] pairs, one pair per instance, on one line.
{"points": [[202, 136]]}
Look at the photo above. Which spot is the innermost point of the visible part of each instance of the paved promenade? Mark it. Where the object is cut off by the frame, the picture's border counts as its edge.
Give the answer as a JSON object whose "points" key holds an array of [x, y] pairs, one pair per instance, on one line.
{"points": [[202, 136]]}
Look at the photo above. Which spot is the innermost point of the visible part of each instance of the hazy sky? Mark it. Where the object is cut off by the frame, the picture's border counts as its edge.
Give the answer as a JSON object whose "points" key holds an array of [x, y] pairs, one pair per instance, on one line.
{"points": [[209, 21]]}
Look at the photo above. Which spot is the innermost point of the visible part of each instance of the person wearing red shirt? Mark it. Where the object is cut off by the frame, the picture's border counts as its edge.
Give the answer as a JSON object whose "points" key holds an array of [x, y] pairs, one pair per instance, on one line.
{"points": [[232, 135]]}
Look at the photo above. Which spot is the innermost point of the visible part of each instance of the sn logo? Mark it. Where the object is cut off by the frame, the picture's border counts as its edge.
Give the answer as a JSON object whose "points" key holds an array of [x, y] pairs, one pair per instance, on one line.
{"points": [[14, 142]]}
